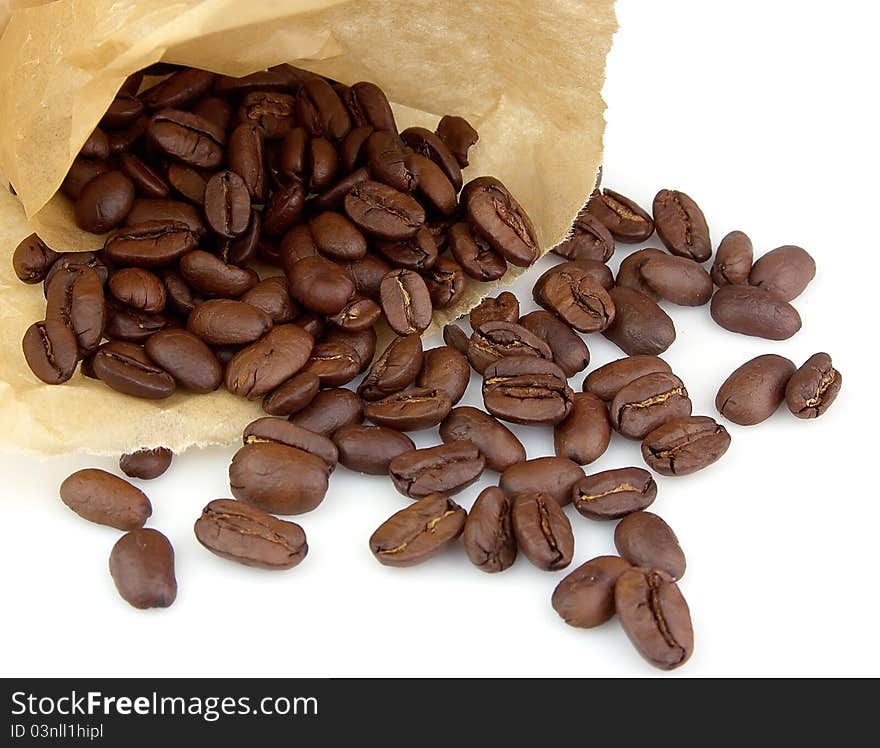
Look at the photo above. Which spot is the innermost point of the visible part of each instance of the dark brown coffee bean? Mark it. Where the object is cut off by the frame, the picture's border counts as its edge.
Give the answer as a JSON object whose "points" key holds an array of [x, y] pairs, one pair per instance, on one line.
{"points": [[608, 380], [211, 276], [681, 225], [382, 211], [334, 363], [128, 137], [386, 159], [751, 310], [678, 279], [150, 244], [272, 297], [269, 362], [585, 598], [785, 271], [122, 112], [754, 391], [146, 464], [320, 285], [96, 147], [445, 282], [361, 342], [297, 244], [418, 252], [138, 288], [497, 443], [367, 274], [126, 368], [417, 533], [243, 249], [368, 105], [50, 350], [448, 468], [525, 389], [333, 197], [147, 182], [567, 349], [227, 322], [394, 370], [813, 387], [187, 182], [81, 172], [585, 433], [130, 324], [280, 431], [458, 135], [292, 396], [589, 240], [685, 445], [272, 111], [187, 138], [82, 260], [370, 449], [245, 154], [543, 532], [640, 327], [186, 358], [104, 202], [647, 402], [576, 298], [644, 539], [456, 338], [495, 340], [357, 314], [444, 368], [320, 110], [142, 567], [410, 410], [613, 494], [32, 259], [166, 211], [475, 254], [553, 477], [336, 236], [625, 220], [102, 497], [329, 411], [405, 302], [629, 274], [284, 208], [432, 184], [430, 146], [227, 204], [733, 260], [655, 617], [501, 220], [351, 150], [75, 296], [277, 78], [488, 532], [179, 89], [502, 308]]}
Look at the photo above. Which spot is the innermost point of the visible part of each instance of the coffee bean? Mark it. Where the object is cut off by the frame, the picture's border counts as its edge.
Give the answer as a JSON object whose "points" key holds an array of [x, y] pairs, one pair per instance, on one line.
{"points": [[272, 111], [280, 431], [644, 539], [640, 327], [292, 396], [227, 204], [613, 494], [227, 322], [456, 338], [245, 155], [147, 183], [445, 369], [685, 445], [553, 477], [319, 285], [77, 262], [475, 254], [432, 184], [188, 182], [243, 249], [370, 449], [496, 340], [417, 533], [751, 310], [334, 363], [386, 156], [179, 89], [138, 288], [405, 302], [813, 387], [320, 110], [104, 202], [629, 274], [448, 468], [754, 391], [418, 252], [50, 350], [585, 433], [351, 150], [272, 297], [32, 259], [284, 208], [585, 598], [576, 298], [367, 274], [164, 211], [96, 147], [106, 499], [785, 271], [589, 240], [430, 146], [496, 442], [329, 411], [269, 362], [333, 197], [503, 308], [186, 358], [524, 389], [151, 244], [647, 402], [445, 282], [142, 567], [128, 137], [410, 410], [279, 78], [187, 138], [75, 296], [394, 370], [382, 211], [81, 172], [212, 276], [488, 532], [733, 260], [146, 464], [357, 314], [606, 381], [655, 617], [338, 237], [458, 135], [361, 342], [567, 349], [681, 225], [132, 325], [126, 368], [626, 221], [367, 105], [501, 220], [678, 279], [543, 532], [123, 111]]}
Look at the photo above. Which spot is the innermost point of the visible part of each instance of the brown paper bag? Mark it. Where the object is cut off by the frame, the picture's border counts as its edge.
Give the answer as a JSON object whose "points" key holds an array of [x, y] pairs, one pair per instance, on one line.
{"points": [[528, 76]]}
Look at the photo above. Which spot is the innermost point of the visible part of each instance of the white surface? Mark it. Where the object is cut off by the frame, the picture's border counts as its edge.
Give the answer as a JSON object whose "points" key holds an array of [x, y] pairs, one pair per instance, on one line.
{"points": [[760, 111]]}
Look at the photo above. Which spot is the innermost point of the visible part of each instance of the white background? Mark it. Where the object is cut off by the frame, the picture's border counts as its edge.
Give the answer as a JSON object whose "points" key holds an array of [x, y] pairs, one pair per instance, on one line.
{"points": [[765, 112]]}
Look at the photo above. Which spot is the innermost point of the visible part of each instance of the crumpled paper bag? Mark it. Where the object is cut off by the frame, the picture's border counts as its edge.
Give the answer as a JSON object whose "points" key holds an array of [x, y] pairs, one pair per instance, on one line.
{"points": [[527, 75]]}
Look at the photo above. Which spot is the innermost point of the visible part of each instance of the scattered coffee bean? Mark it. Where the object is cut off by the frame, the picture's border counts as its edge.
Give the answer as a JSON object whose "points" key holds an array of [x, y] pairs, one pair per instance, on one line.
{"points": [[186, 358], [227, 322], [458, 135], [785, 271], [405, 301], [32, 259], [567, 349], [626, 221], [640, 327], [589, 240], [526, 390], [272, 297], [733, 260], [629, 274], [644, 539], [553, 477], [585, 433], [678, 279], [445, 369], [394, 370], [146, 464], [606, 381], [576, 298], [612, 494], [685, 445], [681, 225], [447, 469], [292, 396], [104, 202], [813, 387], [488, 532], [585, 598], [128, 369], [50, 351], [754, 391], [150, 244], [410, 410], [106, 499], [142, 567], [279, 431], [493, 341], [475, 254], [496, 442], [751, 310], [269, 362], [456, 338], [543, 532], [647, 402], [501, 308], [501, 220], [75, 296], [330, 410], [370, 449]]}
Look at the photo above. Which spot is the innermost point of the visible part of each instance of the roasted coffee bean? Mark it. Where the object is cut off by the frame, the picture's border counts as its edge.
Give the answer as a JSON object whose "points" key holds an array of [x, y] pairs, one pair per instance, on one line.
{"points": [[543, 532], [187, 138], [68, 261], [681, 225], [351, 150], [126, 368], [488, 532], [186, 358], [627, 222], [102, 497], [269, 362], [329, 411], [127, 138], [123, 111], [75, 296], [456, 338], [334, 363], [319, 285], [418, 252], [211, 276], [244, 248], [497, 443], [278, 78], [151, 244], [297, 244], [585, 433], [410, 410], [337, 236], [386, 158], [272, 111], [50, 350], [553, 477], [644, 539], [576, 298], [132, 325], [495, 340], [525, 389], [394, 370], [361, 342], [655, 617], [320, 110], [245, 154], [405, 301], [333, 197], [751, 310], [629, 274], [243, 533], [432, 184], [608, 380], [501, 308], [227, 204], [418, 532], [187, 182], [612, 494], [368, 105], [138, 288], [733, 260], [382, 211], [104, 202], [589, 240], [678, 279], [647, 402], [293, 157], [585, 598], [445, 282], [96, 147], [166, 211], [501, 220], [147, 183], [475, 254], [367, 274], [567, 349], [81, 172], [447, 469], [640, 327], [458, 135], [444, 368], [179, 89], [430, 146], [277, 478], [370, 449], [292, 396], [754, 391], [280, 431], [813, 387], [284, 208], [785, 271], [357, 314], [142, 567], [146, 464], [227, 322], [685, 445], [272, 297]]}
